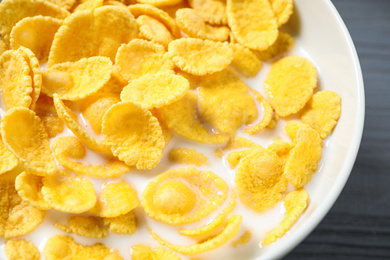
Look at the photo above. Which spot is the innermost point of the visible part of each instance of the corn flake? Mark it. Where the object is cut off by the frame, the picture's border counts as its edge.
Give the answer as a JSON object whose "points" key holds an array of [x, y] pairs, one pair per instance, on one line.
{"points": [[116, 199], [234, 158], [183, 196], [69, 194], [32, 145], [283, 43], [292, 127], [134, 135], [53, 124], [245, 61], [187, 156], [3, 45], [88, 5], [267, 117], [283, 10], [295, 204], [8, 161], [212, 11], [154, 30], [200, 57], [230, 231], [122, 224], [141, 252], [245, 238], [21, 250], [240, 142], [35, 33], [182, 118], [282, 149], [290, 84], [66, 4], [88, 226], [93, 33], [160, 3], [322, 112], [259, 179]]}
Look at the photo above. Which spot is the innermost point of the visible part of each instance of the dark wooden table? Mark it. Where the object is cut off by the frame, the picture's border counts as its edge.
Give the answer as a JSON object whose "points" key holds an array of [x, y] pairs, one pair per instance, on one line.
{"points": [[358, 225]]}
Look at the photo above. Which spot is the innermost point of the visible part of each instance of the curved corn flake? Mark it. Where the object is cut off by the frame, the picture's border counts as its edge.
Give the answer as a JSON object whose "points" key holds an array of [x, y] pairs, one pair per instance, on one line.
{"points": [[283, 10], [240, 142], [15, 80], [64, 247], [257, 35], [77, 80], [259, 179], [154, 30], [213, 227], [53, 125], [192, 79], [69, 146], [200, 57], [66, 4], [304, 157], [88, 5], [141, 252], [155, 90], [283, 43], [282, 149], [234, 158], [183, 196], [230, 231], [93, 33], [192, 24], [122, 224], [292, 127], [45, 105], [290, 83], [212, 11], [18, 218], [12, 11], [182, 118], [187, 156], [3, 45], [295, 204], [158, 14], [69, 194], [160, 3], [245, 61], [171, 10], [225, 102], [70, 120], [114, 3], [20, 249], [245, 238], [164, 128], [29, 189], [8, 161], [116, 199], [267, 117], [35, 33], [134, 135], [140, 57], [88, 226], [32, 145], [322, 112]]}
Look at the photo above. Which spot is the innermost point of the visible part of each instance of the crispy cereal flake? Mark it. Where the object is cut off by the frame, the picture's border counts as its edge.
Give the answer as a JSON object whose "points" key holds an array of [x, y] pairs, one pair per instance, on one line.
{"points": [[3, 45], [245, 238], [245, 61], [235, 157], [212, 11], [283, 43], [21, 250], [154, 30], [88, 5], [160, 2], [187, 156], [282, 149], [8, 160], [122, 224], [283, 10], [67, 4], [88, 226], [53, 124], [141, 252]]}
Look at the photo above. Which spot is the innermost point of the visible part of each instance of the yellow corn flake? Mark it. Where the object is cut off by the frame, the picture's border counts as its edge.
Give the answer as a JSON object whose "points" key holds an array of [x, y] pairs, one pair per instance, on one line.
{"points": [[32, 145], [35, 33], [45, 105], [213, 228], [187, 156], [322, 112], [29, 189], [304, 157], [257, 35], [69, 146], [12, 11], [154, 30], [64, 247], [155, 90], [240, 142], [259, 179], [8, 161], [290, 84], [115, 85], [69, 194], [141, 252], [225, 102], [134, 135], [66, 4], [267, 117], [292, 127], [274, 120], [200, 57], [183, 196], [158, 14], [160, 3], [70, 120], [245, 61], [15, 80], [3, 45], [88, 5], [164, 128], [21, 250], [283, 10], [114, 3], [77, 80], [182, 118], [235, 157], [245, 238], [140, 57], [116, 199], [295, 204], [192, 79], [282, 149], [18, 218], [230, 231], [88, 226], [122, 224], [283, 43], [192, 24], [93, 33], [53, 125], [212, 11]]}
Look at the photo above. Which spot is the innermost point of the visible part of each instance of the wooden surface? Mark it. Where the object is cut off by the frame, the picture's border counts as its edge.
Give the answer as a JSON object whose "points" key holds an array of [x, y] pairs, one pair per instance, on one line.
{"points": [[358, 225]]}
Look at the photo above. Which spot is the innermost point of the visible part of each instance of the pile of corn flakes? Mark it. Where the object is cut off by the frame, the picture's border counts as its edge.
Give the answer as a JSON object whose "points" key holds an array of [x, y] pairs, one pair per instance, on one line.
{"points": [[142, 73]]}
